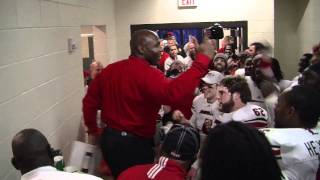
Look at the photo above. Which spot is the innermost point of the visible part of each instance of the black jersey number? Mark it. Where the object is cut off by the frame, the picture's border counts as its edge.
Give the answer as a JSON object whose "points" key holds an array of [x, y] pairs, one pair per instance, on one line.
{"points": [[259, 112]]}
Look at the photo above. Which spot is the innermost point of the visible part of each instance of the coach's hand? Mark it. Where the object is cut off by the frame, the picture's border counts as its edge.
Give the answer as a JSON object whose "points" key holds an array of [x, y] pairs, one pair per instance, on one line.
{"points": [[208, 47], [178, 117]]}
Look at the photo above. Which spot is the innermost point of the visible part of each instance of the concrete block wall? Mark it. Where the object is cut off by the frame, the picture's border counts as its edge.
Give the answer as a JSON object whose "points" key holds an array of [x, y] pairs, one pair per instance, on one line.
{"points": [[99, 42], [259, 14], [287, 18], [297, 29], [41, 82], [309, 27]]}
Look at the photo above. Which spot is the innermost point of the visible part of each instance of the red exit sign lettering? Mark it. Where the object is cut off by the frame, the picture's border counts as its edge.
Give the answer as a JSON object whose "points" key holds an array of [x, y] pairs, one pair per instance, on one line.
{"points": [[187, 3]]}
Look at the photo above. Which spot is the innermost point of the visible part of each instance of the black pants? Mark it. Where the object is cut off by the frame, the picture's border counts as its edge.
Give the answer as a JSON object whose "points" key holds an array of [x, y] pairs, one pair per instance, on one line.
{"points": [[122, 150]]}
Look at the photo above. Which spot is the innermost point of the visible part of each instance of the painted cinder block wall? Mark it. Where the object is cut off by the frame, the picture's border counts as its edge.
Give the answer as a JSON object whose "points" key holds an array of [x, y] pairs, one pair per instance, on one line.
{"points": [[41, 83]]}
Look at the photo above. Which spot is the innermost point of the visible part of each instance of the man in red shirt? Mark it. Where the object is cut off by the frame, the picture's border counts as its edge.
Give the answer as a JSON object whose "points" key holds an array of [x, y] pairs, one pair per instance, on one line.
{"points": [[178, 152], [130, 93]]}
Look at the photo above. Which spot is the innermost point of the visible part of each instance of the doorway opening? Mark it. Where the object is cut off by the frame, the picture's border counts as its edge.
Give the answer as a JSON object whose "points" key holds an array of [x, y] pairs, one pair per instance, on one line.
{"points": [[236, 29], [93, 47]]}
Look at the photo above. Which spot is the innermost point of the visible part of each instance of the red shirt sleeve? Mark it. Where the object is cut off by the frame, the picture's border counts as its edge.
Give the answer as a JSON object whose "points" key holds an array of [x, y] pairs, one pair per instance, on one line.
{"points": [[90, 104], [168, 91]]}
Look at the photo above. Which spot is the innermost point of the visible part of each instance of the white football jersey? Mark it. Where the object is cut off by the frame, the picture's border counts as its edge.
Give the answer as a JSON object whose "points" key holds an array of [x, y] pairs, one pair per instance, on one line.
{"points": [[225, 117], [205, 112], [197, 102], [296, 150], [250, 114], [169, 61], [256, 94], [204, 116]]}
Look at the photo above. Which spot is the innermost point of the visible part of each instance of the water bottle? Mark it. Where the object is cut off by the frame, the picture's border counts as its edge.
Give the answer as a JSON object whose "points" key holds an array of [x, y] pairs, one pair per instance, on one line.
{"points": [[86, 162], [58, 162]]}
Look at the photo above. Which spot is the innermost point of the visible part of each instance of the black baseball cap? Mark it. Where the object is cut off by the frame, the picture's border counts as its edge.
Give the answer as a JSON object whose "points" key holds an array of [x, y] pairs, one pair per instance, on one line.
{"points": [[181, 142]]}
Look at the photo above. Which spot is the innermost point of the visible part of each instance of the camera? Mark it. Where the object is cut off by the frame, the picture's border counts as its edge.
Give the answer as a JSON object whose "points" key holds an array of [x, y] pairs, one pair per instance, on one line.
{"points": [[215, 31]]}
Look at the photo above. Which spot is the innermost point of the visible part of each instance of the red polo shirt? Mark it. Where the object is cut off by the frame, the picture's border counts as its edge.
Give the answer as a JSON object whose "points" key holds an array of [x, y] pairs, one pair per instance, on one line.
{"points": [[130, 93], [165, 169]]}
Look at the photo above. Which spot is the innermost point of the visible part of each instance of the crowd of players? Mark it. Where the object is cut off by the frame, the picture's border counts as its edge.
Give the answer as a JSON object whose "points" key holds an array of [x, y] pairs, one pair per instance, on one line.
{"points": [[197, 112]]}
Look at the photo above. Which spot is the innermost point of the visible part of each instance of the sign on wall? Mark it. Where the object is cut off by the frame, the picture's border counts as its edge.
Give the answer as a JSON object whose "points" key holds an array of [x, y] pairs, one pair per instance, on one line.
{"points": [[187, 3]]}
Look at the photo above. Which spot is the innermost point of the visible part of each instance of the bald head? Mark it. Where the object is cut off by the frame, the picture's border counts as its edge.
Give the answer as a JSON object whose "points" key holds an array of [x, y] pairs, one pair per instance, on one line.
{"points": [[138, 38], [145, 44], [30, 150], [96, 64], [95, 68]]}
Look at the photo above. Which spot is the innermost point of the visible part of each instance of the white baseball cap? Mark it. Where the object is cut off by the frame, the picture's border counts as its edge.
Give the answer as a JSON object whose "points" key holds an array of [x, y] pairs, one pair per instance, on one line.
{"points": [[213, 77]]}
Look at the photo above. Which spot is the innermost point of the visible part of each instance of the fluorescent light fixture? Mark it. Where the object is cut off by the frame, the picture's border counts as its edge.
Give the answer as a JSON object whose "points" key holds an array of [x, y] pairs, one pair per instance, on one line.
{"points": [[87, 35]]}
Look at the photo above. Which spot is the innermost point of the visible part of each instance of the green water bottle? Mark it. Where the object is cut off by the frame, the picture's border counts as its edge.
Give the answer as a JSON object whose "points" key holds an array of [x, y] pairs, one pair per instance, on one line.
{"points": [[58, 163]]}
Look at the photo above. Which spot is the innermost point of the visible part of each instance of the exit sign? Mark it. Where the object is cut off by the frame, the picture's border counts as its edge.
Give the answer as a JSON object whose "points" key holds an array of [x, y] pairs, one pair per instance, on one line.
{"points": [[187, 3]]}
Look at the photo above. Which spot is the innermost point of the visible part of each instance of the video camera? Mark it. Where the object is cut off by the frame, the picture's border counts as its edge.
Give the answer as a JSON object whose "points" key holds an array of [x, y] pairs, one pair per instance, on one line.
{"points": [[215, 31]]}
